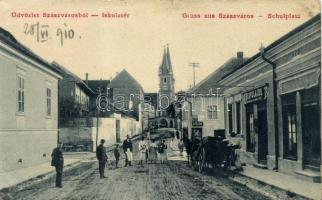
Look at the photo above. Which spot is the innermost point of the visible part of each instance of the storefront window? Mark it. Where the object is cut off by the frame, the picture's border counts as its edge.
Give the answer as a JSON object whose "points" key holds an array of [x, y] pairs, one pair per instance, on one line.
{"points": [[289, 126]]}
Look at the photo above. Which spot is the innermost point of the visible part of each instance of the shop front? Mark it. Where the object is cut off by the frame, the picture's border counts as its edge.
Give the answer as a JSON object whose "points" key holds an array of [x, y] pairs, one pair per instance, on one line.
{"points": [[256, 123], [301, 122]]}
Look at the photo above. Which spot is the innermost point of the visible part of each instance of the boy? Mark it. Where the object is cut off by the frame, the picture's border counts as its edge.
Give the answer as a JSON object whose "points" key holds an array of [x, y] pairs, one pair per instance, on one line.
{"points": [[116, 155]]}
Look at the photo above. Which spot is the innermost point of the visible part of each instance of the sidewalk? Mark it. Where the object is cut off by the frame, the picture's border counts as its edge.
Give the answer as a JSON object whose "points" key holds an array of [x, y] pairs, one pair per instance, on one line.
{"points": [[284, 181], [17, 176]]}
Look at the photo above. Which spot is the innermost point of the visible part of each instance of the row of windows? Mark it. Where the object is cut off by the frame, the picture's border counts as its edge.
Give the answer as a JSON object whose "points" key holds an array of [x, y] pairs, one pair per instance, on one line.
{"points": [[82, 100], [21, 96]]}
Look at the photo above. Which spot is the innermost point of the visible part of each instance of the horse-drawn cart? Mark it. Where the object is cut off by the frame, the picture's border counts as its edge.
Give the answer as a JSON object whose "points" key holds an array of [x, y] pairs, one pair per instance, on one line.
{"points": [[212, 152]]}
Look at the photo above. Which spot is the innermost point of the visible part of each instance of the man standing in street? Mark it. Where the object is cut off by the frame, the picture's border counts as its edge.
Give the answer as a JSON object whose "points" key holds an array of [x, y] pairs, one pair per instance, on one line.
{"points": [[58, 162], [127, 148], [101, 157]]}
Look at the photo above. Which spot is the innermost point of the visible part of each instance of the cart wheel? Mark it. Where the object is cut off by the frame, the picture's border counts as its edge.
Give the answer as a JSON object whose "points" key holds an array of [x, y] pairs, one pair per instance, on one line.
{"points": [[195, 161], [202, 161]]}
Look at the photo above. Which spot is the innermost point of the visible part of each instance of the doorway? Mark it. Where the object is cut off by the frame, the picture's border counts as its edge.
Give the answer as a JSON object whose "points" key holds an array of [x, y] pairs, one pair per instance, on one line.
{"points": [[262, 133], [311, 129], [250, 132]]}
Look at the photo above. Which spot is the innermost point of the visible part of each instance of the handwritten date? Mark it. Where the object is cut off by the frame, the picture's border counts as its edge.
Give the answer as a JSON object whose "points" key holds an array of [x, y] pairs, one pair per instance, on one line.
{"points": [[43, 33]]}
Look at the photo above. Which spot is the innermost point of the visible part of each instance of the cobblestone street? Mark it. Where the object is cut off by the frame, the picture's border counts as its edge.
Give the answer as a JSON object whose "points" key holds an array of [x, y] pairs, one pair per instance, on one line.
{"points": [[172, 180]]}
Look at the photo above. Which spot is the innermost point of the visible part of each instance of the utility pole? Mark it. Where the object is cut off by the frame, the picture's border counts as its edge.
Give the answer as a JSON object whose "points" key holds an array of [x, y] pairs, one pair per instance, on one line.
{"points": [[194, 65]]}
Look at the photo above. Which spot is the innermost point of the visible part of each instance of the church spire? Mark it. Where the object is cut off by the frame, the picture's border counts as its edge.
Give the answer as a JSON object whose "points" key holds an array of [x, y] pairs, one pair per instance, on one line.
{"points": [[168, 58], [166, 66]]}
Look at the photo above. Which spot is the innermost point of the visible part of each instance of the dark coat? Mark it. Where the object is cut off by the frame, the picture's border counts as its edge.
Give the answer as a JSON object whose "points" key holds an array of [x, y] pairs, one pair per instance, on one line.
{"points": [[101, 153], [116, 153], [57, 158], [127, 145]]}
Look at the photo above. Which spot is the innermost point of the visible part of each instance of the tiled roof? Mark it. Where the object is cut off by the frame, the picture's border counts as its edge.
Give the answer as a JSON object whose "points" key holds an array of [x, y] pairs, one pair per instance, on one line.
{"points": [[66, 73], [211, 81], [124, 79], [95, 84], [280, 40], [10, 40]]}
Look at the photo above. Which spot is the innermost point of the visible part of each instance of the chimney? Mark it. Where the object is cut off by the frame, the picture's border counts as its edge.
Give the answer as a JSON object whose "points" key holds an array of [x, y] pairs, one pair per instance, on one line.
{"points": [[240, 57], [86, 78]]}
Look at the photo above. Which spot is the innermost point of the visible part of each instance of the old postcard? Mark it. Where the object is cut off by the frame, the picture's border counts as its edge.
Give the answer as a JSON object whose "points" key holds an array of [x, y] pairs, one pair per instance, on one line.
{"points": [[163, 99]]}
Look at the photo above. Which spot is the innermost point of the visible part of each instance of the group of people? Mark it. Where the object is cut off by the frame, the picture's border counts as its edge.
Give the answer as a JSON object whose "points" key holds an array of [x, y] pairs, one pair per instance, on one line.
{"points": [[152, 151], [148, 151]]}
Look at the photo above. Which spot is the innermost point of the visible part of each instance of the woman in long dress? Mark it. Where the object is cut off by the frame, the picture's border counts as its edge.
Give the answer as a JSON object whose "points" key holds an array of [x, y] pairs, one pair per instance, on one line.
{"points": [[153, 150], [162, 151]]}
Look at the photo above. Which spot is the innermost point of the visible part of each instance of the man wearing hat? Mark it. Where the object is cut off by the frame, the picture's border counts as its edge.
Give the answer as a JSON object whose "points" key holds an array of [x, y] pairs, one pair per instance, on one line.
{"points": [[58, 162], [128, 148], [101, 157]]}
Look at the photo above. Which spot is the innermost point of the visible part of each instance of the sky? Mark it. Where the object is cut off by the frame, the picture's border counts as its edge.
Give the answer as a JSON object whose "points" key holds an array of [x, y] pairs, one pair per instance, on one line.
{"points": [[102, 47]]}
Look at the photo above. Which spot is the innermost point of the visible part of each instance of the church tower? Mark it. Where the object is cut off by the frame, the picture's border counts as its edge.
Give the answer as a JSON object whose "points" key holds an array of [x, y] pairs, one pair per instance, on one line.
{"points": [[166, 82]]}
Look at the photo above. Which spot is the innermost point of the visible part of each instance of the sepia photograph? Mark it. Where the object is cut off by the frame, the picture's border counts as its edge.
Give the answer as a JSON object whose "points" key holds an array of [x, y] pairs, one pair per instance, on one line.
{"points": [[160, 100]]}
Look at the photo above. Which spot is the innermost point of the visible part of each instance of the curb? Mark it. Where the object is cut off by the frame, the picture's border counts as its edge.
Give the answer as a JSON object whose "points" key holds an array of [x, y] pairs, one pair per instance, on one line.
{"points": [[254, 183], [41, 177]]}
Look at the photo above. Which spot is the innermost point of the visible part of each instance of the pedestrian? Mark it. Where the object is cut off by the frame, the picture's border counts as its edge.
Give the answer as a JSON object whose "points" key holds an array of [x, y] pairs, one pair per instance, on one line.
{"points": [[153, 151], [162, 151], [127, 148], [58, 162], [143, 147], [101, 157], [188, 145], [180, 147], [116, 155]]}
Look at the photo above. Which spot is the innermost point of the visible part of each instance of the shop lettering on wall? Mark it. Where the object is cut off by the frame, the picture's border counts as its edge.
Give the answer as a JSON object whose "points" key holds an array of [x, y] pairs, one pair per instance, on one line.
{"points": [[197, 123], [257, 94], [43, 32]]}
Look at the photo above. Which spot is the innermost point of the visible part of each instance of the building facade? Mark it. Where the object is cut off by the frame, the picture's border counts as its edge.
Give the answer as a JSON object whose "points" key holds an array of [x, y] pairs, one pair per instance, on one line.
{"points": [[74, 96], [28, 106], [294, 145], [207, 103]]}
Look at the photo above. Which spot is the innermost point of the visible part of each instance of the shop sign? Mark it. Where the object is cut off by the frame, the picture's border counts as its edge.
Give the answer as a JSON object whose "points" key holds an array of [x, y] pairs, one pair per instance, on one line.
{"points": [[254, 95], [197, 123]]}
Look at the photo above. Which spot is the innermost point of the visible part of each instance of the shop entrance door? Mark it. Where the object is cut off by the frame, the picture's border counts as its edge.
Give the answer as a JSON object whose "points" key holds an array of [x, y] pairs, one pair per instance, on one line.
{"points": [[311, 129], [262, 133]]}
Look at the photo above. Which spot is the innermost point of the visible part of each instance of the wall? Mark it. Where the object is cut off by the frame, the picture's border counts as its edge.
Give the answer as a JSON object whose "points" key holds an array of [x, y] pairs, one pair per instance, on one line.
{"points": [[30, 135], [200, 108], [106, 131]]}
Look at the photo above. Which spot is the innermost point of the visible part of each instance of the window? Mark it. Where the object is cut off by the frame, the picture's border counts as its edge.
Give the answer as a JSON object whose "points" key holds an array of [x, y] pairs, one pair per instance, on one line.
{"points": [[21, 94], [289, 126], [165, 80], [48, 102], [212, 112]]}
